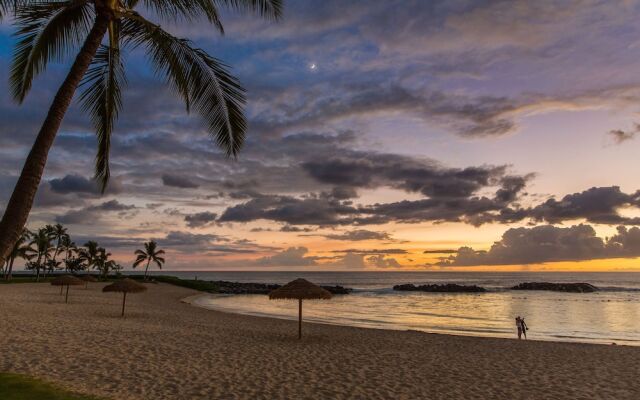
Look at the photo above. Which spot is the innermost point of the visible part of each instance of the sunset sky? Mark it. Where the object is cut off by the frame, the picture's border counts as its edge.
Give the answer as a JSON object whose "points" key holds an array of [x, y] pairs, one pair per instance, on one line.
{"points": [[482, 135]]}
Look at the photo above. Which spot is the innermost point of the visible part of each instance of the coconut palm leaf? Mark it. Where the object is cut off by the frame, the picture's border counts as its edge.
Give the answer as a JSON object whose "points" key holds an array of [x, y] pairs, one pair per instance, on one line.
{"points": [[101, 98], [47, 31], [203, 81]]}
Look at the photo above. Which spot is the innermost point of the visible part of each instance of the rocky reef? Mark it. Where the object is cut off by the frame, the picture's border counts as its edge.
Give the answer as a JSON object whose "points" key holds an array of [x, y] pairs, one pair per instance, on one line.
{"points": [[557, 287], [444, 288]]}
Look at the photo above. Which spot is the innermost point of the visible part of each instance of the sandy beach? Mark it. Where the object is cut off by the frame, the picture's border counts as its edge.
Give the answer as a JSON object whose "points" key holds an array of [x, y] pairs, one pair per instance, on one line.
{"points": [[168, 349]]}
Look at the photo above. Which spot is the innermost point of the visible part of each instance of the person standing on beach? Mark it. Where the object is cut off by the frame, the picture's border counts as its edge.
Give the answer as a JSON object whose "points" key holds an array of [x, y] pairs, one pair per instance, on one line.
{"points": [[524, 327], [519, 327]]}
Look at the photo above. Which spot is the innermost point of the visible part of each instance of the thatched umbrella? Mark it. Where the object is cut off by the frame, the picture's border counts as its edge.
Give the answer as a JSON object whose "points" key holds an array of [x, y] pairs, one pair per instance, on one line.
{"points": [[66, 280], [125, 286], [300, 289], [87, 279]]}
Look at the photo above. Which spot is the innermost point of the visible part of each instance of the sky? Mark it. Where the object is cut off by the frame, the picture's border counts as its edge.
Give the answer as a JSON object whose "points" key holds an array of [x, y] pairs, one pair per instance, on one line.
{"points": [[383, 135]]}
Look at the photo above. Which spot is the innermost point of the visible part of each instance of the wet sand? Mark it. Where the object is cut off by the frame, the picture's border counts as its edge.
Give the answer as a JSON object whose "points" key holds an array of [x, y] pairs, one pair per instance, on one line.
{"points": [[168, 349]]}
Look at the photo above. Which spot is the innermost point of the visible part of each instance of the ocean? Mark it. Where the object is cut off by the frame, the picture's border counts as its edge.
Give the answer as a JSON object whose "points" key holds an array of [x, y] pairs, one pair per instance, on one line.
{"points": [[611, 315]]}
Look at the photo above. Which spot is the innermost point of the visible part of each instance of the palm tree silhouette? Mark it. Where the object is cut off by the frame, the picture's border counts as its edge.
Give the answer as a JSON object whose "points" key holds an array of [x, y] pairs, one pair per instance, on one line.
{"points": [[102, 262], [47, 30], [58, 233], [150, 253], [40, 249], [19, 250], [90, 253]]}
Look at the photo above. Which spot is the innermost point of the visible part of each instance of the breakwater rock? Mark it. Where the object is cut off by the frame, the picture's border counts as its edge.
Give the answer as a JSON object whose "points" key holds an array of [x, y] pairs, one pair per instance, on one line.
{"points": [[444, 288], [557, 287]]}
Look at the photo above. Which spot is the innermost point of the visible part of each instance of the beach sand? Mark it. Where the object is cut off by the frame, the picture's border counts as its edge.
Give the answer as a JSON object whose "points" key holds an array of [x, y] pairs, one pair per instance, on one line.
{"points": [[168, 349]]}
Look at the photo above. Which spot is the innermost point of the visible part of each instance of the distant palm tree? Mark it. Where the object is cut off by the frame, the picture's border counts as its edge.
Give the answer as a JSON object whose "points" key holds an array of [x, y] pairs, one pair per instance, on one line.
{"points": [[68, 249], [90, 253], [47, 30], [150, 253], [102, 262], [40, 249], [58, 233], [19, 250]]}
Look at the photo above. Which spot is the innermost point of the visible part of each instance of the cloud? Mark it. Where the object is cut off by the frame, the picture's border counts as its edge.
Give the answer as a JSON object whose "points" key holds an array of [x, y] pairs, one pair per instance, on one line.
{"points": [[290, 257], [200, 219], [598, 205], [93, 214], [620, 136], [358, 235], [381, 261], [178, 181], [78, 184], [443, 251], [547, 243]]}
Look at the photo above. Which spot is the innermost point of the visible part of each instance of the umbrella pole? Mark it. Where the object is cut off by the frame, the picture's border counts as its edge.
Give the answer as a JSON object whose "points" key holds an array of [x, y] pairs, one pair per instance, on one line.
{"points": [[61, 287], [124, 299], [66, 297], [299, 318]]}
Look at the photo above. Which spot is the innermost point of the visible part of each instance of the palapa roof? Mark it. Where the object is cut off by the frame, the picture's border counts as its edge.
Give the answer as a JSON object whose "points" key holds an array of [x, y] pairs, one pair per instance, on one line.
{"points": [[300, 289], [65, 280], [88, 278], [125, 285]]}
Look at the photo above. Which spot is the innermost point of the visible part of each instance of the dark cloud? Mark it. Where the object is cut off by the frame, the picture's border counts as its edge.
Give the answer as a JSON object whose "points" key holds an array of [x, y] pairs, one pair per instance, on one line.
{"points": [[201, 219], [178, 181], [547, 243], [620, 136], [372, 251], [93, 214], [443, 251], [358, 235], [598, 205], [81, 185]]}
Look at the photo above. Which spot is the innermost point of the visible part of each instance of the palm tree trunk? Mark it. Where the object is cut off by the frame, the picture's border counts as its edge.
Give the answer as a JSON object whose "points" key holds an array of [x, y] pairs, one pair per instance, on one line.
{"points": [[124, 300], [38, 268], [146, 269], [19, 206], [10, 269]]}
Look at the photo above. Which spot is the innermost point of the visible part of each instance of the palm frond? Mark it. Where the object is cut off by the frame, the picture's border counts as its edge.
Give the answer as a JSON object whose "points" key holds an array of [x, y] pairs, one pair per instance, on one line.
{"points": [[138, 262], [204, 82], [47, 30], [101, 98], [189, 10], [271, 9]]}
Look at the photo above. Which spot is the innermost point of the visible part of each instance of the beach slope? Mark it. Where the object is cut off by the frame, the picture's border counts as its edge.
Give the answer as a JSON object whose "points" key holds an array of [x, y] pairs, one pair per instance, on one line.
{"points": [[167, 349]]}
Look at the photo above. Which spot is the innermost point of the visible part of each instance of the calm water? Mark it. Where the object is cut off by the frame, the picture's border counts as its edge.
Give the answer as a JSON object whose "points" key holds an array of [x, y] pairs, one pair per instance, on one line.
{"points": [[611, 315]]}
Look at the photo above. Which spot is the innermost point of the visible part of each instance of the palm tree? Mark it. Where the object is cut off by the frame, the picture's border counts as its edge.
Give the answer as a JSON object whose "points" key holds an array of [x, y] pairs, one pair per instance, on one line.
{"points": [[90, 253], [40, 249], [19, 250], [50, 29], [150, 253], [103, 264], [59, 234], [69, 249]]}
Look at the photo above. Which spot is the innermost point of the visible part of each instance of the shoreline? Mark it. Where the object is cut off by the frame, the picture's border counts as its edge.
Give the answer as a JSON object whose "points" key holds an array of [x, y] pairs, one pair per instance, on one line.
{"points": [[191, 300], [168, 349]]}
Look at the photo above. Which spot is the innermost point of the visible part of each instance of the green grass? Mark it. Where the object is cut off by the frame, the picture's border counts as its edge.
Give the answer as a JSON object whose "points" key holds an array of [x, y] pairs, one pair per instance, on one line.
{"points": [[24, 279], [20, 387], [203, 286]]}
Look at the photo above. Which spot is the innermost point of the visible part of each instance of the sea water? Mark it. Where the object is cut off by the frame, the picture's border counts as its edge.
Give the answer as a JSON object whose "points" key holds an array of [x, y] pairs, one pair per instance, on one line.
{"points": [[611, 315]]}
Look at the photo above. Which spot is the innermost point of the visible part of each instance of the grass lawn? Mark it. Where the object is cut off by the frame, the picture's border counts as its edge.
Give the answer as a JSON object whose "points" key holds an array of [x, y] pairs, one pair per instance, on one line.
{"points": [[20, 387]]}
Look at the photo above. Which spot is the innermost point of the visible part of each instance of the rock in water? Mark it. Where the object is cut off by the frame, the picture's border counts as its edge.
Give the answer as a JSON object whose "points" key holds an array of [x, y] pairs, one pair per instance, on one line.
{"points": [[445, 288], [557, 287]]}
